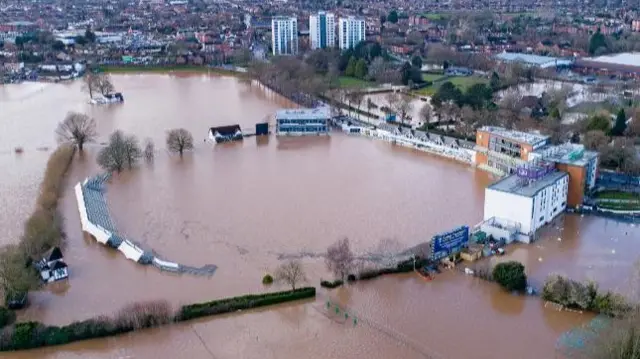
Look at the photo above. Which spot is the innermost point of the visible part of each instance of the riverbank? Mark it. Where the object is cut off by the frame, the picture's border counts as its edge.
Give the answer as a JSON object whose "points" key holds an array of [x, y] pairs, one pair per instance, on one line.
{"points": [[29, 335], [43, 230]]}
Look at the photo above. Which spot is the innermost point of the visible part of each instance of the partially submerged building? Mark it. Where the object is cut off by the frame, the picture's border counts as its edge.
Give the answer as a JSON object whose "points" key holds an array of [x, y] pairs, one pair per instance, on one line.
{"points": [[531, 198], [225, 133], [301, 122], [52, 266]]}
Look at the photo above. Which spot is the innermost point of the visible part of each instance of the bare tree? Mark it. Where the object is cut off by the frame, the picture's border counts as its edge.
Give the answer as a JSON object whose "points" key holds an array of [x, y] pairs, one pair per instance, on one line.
{"points": [[149, 150], [340, 259], [15, 277], [291, 272], [595, 139], [121, 151], [105, 86], [179, 140], [426, 113], [97, 82], [403, 107], [357, 98], [77, 128]]}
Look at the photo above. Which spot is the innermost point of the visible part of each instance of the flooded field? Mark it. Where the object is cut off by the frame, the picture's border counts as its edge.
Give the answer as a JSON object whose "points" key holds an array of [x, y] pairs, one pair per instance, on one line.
{"points": [[242, 206]]}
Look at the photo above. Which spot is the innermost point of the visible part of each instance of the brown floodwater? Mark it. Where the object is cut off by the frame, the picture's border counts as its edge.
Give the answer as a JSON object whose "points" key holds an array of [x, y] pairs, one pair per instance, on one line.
{"points": [[243, 205]]}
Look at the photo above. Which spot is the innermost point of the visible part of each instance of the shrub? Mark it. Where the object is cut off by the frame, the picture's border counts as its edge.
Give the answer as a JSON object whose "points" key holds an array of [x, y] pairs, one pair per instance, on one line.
{"points": [[510, 275], [143, 315], [267, 279], [331, 285], [585, 296], [6, 317], [240, 303]]}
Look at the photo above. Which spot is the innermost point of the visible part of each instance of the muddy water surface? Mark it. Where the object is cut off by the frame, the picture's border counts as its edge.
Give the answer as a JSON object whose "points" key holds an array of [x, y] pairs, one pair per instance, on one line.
{"points": [[242, 206]]}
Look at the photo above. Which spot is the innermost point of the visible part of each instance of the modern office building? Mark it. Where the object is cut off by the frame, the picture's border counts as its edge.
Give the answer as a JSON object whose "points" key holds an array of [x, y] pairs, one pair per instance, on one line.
{"points": [[284, 35], [501, 151], [580, 165], [300, 122], [531, 198], [322, 30], [351, 31]]}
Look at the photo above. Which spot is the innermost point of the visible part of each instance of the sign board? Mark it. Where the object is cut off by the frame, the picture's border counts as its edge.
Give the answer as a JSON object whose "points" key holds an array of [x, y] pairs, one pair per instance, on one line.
{"points": [[448, 243]]}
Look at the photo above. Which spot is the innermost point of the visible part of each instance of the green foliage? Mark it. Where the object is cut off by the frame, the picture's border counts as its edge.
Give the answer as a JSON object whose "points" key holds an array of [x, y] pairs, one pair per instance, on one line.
{"points": [[393, 17], [584, 296], [477, 96], [351, 67], [360, 69], [327, 284], [58, 45], [416, 61], [596, 42], [621, 123], [267, 279], [241, 303], [599, 122], [494, 83], [6, 317], [90, 36], [510, 275]]}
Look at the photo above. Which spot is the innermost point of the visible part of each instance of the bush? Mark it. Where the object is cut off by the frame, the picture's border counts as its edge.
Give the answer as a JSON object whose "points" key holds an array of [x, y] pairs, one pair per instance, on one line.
{"points": [[331, 285], [240, 303], [143, 315], [584, 296], [6, 317], [267, 279], [510, 275]]}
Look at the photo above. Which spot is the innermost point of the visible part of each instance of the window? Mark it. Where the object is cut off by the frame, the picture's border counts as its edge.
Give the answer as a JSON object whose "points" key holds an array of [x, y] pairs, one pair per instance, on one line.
{"points": [[541, 219]]}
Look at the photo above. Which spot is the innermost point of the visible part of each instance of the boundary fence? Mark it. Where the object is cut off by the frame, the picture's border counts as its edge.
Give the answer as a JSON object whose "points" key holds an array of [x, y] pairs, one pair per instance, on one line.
{"points": [[96, 220]]}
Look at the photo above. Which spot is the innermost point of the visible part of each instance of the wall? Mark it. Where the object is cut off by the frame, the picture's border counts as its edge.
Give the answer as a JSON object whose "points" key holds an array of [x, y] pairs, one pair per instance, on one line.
{"points": [[556, 198], [577, 178], [508, 206]]}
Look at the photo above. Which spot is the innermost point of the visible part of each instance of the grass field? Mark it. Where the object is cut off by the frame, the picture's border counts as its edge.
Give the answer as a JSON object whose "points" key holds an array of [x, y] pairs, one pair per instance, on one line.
{"points": [[435, 16], [462, 82], [352, 82], [617, 200], [432, 77]]}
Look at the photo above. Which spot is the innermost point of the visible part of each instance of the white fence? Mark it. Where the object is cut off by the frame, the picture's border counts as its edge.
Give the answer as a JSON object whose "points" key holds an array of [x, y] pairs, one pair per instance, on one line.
{"points": [[456, 153], [129, 249]]}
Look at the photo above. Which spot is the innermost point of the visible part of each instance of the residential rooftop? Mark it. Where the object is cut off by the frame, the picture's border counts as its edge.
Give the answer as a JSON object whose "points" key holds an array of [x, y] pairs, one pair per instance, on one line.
{"points": [[516, 185], [537, 60], [568, 153], [517, 136], [318, 113]]}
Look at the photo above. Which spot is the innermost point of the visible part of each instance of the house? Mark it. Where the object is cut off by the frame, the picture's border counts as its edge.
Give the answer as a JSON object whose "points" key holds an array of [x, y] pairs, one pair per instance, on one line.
{"points": [[52, 266]]}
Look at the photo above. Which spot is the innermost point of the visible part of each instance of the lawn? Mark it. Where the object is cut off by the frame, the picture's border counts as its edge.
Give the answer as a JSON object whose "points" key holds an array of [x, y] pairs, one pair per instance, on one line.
{"points": [[434, 16], [462, 82], [617, 200], [352, 82], [432, 77]]}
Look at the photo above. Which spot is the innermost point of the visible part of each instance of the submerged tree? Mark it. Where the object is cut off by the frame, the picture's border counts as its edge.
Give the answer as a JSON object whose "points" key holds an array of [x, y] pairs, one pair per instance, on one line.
{"points": [[149, 150], [340, 259], [16, 278], [120, 152], [97, 82], [179, 140], [291, 273], [77, 128]]}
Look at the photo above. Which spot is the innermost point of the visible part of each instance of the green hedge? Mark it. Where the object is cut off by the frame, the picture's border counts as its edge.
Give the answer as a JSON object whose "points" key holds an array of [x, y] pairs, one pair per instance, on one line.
{"points": [[29, 335], [402, 267], [245, 302]]}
